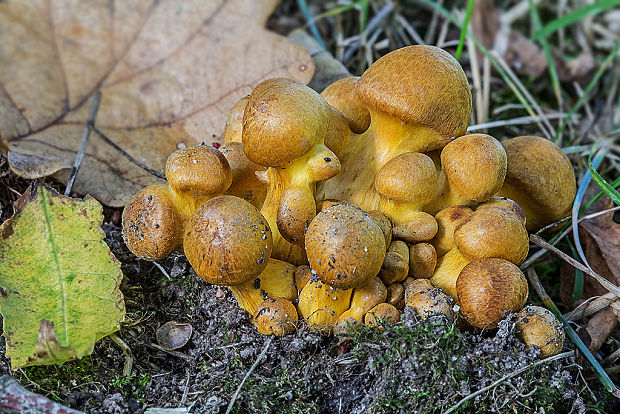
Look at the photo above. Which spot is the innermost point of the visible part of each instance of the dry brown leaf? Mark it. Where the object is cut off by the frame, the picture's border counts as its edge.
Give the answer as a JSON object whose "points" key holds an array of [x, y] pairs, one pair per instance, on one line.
{"points": [[168, 73]]}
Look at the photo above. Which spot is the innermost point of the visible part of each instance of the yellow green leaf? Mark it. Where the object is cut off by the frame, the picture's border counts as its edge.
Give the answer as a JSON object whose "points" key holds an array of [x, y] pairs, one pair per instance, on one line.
{"points": [[59, 282]]}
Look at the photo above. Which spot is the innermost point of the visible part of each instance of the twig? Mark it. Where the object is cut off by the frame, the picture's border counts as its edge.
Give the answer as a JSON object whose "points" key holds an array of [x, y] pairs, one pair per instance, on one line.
{"points": [[505, 377], [111, 143], [522, 120], [185, 391], [604, 282], [94, 108], [247, 375], [590, 306], [126, 351]]}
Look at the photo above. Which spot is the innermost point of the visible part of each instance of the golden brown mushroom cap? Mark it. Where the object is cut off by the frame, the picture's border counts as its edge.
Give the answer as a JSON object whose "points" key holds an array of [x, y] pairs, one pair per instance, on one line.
{"points": [[493, 232], [152, 229], [276, 316], [396, 295], [345, 246], [227, 241], [538, 327], [409, 177], [540, 179], [421, 85], [396, 263], [382, 313], [233, 130], [341, 95], [448, 220], [385, 224], [245, 183], [282, 121], [422, 260], [475, 166], [488, 289], [505, 203], [198, 172], [428, 301]]}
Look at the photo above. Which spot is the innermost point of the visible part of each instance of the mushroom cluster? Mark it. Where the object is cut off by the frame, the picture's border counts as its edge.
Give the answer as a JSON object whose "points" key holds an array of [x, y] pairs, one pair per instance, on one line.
{"points": [[345, 207]]}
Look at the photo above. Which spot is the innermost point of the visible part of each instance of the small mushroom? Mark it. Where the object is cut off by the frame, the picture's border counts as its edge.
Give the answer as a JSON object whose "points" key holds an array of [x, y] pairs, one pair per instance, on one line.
{"points": [[364, 298], [276, 316], [228, 242], [538, 327], [489, 289], [422, 260], [341, 95], [396, 263], [405, 184], [448, 220], [173, 335], [345, 248], [382, 314], [473, 170], [427, 301], [245, 182], [303, 274], [396, 296]]}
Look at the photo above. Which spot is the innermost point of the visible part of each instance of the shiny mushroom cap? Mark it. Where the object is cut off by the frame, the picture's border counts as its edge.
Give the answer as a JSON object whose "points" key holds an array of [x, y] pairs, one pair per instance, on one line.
{"points": [[245, 183], [198, 172], [493, 232], [419, 85], [341, 95], [233, 130], [540, 179], [408, 177], [227, 241], [282, 121], [152, 229], [448, 220], [382, 314], [475, 166], [489, 289], [276, 316], [538, 327], [345, 246]]}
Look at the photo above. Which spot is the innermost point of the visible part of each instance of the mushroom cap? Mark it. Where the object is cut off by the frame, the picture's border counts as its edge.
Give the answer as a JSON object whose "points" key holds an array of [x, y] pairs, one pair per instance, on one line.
{"points": [[505, 203], [385, 224], [295, 212], [428, 301], [198, 172], [233, 130], [276, 316], [493, 232], [422, 85], [303, 274], [538, 327], [409, 177], [396, 296], [396, 263], [488, 289], [422, 260], [448, 220], [282, 121], [475, 166], [341, 95], [540, 179], [382, 313], [245, 183], [227, 241], [345, 246], [364, 298], [152, 229]]}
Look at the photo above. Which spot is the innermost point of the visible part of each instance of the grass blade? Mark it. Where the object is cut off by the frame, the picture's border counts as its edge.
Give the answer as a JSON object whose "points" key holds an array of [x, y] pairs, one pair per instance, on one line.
{"points": [[555, 81], [605, 187], [575, 16], [303, 6], [470, 9]]}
